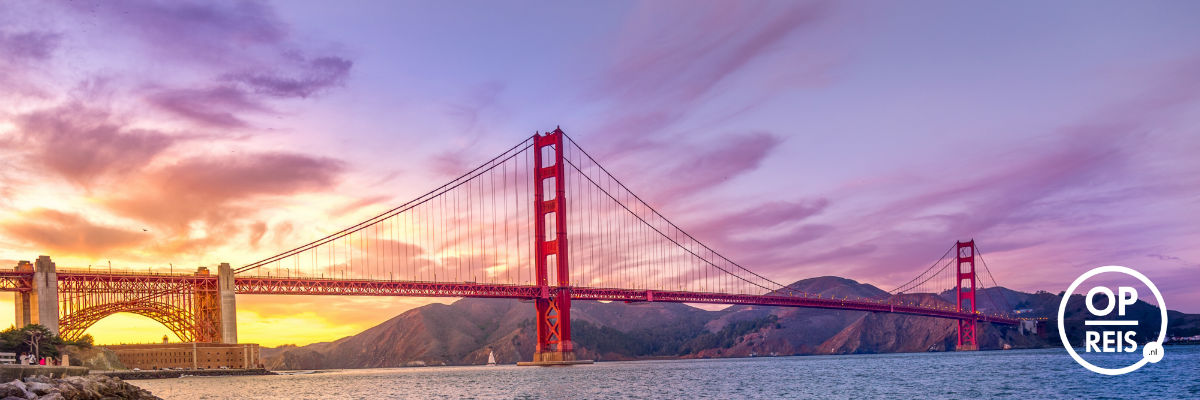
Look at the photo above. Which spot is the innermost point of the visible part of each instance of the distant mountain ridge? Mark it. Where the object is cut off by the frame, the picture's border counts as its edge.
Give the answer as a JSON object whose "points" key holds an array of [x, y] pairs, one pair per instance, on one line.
{"points": [[467, 330]]}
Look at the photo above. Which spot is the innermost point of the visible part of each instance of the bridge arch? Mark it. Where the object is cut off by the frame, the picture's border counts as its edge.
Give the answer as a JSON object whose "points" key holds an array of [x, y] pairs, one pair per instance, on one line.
{"points": [[179, 321]]}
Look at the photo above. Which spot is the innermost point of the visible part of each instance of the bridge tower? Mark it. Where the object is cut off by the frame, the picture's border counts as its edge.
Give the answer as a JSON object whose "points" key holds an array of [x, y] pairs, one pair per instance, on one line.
{"points": [[965, 293], [228, 303], [37, 303], [206, 311], [550, 205]]}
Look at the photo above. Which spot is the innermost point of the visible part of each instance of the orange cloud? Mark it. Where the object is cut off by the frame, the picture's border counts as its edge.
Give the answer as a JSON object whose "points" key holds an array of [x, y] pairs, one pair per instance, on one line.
{"points": [[218, 192], [68, 233]]}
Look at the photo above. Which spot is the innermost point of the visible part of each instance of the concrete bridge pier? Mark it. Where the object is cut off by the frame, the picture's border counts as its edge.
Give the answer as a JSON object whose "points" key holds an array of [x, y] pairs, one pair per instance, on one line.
{"points": [[38, 305], [228, 303], [45, 286], [23, 300]]}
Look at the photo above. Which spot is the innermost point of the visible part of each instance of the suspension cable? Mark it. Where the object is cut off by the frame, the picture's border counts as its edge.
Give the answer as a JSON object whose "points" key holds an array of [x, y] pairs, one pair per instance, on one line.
{"points": [[469, 175], [979, 254], [898, 290], [672, 224]]}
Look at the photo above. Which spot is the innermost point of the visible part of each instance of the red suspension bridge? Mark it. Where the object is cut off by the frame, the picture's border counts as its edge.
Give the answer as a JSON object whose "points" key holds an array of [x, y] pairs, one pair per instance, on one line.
{"points": [[543, 221]]}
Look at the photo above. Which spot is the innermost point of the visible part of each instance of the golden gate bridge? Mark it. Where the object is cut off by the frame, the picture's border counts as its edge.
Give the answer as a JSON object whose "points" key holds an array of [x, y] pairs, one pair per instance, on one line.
{"points": [[543, 221]]}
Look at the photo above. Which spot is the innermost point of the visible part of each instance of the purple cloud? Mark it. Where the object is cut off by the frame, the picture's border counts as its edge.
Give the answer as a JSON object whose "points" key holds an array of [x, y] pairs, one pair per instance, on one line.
{"points": [[22, 55], [1051, 202], [35, 46], [664, 74], [1051, 207], [218, 107], [1001, 204], [764, 216], [469, 111], [687, 60], [725, 159], [754, 234], [665, 71], [243, 46], [82, 144], [314, 76], [211, 32]]}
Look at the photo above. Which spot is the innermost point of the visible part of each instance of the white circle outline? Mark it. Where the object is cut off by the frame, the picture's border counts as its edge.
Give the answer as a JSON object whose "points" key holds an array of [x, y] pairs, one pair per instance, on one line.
{"points": [[1062, 309]]}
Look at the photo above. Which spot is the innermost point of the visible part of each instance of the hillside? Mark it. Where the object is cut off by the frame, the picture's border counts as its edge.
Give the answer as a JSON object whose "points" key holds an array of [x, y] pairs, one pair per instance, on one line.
{"points": [[465, 331]]}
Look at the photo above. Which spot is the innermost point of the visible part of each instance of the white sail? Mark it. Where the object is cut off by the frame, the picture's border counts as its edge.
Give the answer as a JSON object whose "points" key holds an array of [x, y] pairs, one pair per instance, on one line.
{"points": [[491, 358]]}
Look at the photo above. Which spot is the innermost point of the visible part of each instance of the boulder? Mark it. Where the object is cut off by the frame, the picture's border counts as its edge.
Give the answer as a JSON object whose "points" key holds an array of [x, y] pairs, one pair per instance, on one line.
{"points": [[72, 388], [15, 389], [39, 388]]}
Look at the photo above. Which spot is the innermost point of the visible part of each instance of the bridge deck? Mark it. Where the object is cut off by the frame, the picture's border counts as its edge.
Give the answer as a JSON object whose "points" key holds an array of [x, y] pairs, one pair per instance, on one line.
{"points": [[128, 281]]}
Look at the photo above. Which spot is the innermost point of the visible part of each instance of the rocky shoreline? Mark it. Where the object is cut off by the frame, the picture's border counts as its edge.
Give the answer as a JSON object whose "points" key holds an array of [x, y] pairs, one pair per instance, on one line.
{"points": [[178, 373], [72, 388]]}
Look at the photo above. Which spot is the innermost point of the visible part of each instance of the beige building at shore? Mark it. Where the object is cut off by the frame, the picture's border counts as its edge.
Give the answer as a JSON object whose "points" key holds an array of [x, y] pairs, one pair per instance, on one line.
{"points": [[188, 355]]}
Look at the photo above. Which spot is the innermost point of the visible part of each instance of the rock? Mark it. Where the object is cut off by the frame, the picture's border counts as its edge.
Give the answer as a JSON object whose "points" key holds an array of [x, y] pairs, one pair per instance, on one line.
{"points": [[15, 389], [72, 388], [69, 391], [39, 388], [38, 378]]}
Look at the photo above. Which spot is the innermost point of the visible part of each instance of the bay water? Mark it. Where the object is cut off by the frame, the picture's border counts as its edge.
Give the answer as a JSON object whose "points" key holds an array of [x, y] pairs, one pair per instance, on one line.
{"points": [[1043, 373]]}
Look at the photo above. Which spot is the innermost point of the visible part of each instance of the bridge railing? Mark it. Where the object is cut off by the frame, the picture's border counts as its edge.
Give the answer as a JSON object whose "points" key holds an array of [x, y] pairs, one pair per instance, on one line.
{"points": [[123, 271]]}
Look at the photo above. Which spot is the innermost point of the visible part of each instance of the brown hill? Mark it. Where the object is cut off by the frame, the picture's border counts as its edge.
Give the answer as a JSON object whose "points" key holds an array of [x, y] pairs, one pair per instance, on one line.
{"points": [[888, 333], [800, 330], [433, 334], [897, 333], [467, 330]]}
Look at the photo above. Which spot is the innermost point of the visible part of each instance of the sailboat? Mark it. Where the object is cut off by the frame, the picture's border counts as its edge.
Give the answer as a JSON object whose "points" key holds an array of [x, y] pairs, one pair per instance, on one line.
{"points": [[491, 358]]}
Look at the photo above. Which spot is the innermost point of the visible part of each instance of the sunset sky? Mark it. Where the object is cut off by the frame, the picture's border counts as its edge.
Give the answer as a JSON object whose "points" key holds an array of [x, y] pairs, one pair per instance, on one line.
{"points": [[175, 134]]}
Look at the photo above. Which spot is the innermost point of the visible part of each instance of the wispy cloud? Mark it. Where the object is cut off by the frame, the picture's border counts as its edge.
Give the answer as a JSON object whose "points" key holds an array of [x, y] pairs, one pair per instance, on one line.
{"points": [[216, 107], [23, 54], [665, 75], [70, 233], [218, 194], [1076, 195], [208, 187], [82, 144], [311, 77], [25, 46], [715, 163], [664, 72], [219, 33], [245, 55]]}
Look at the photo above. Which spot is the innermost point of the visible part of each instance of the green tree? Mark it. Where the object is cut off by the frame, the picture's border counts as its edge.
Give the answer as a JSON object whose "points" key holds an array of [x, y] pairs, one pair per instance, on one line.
{"points": [[32, 339], [40, 341], [86, 341], [10, 340]]}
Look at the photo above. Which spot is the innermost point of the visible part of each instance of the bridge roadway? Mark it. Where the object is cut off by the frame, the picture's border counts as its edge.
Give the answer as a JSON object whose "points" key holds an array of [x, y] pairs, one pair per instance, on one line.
{"points": [[150, 283]]}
